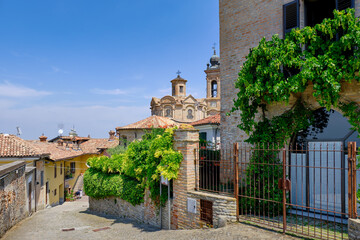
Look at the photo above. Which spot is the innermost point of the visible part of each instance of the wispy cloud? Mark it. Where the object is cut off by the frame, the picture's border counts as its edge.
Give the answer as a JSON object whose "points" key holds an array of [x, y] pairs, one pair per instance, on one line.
{"points": [[8, 89], [58, 70], [109, 91], [165, 90]]}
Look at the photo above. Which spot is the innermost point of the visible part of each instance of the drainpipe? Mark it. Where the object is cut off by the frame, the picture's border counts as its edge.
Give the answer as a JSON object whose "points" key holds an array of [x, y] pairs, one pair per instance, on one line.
{"points": [[36, 185]]}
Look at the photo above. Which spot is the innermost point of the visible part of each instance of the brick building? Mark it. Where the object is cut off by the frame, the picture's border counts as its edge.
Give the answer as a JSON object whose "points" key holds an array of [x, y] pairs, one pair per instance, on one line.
{"points": [[243, 24]]}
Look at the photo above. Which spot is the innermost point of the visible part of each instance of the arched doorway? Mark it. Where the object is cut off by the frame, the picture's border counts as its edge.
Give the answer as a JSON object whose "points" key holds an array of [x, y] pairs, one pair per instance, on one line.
{"points": [[319, 167]]}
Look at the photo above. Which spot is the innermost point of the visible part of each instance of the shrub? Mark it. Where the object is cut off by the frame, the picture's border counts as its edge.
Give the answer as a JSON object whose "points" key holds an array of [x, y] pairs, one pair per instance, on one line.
{"points": [[98, 184]]}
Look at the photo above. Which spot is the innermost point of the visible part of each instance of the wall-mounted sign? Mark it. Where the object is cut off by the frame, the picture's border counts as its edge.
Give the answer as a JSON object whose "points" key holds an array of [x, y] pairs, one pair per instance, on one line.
{"points": [[191, 205], [164, 181]]}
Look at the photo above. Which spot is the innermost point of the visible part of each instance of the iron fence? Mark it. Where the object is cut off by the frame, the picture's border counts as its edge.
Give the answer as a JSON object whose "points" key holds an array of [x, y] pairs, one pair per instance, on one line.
{"points": [[307, 189]]}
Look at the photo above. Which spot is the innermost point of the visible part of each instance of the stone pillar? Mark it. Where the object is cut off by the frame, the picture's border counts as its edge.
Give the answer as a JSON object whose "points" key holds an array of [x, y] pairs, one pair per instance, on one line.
{"points": [[354, 229], [186, 141]]}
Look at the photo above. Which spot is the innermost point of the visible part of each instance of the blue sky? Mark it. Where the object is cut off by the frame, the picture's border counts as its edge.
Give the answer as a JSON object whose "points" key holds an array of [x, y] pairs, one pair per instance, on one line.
{"points": [[96, 64]]}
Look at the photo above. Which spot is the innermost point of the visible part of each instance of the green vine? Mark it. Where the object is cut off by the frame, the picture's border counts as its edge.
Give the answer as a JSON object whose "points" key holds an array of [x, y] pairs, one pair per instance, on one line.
{"points": [[323, 55], [277, 70], [141, 164]]}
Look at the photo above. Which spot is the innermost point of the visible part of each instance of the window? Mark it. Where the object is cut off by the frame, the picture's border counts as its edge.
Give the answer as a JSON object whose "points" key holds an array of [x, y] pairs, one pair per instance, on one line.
{"points": [[291, 16], [54, 170], [317, 10], [344, 4], [168, 112], [173, 90], [124, 140], [61, 167], [181, 89], [42, 178], [202, 136], [190, 114], [213, 89], [135, 135], [72, 167], [55, 192]]}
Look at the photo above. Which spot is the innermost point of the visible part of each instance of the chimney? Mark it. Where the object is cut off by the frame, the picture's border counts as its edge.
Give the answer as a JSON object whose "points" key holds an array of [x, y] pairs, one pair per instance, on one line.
{"points": [[42, 138], [111, 135], [60, 142]]}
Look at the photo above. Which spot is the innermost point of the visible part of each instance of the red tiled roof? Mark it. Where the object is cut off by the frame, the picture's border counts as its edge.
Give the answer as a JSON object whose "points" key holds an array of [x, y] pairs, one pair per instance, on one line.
{"points": [[215, 119], [56, 152], [150, 122], [93, 145], [13, 146]]}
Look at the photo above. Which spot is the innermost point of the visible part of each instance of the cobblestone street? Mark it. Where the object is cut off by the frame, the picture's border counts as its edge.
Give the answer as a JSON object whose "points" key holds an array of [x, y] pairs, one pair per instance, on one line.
{"points": [[49, 224]]}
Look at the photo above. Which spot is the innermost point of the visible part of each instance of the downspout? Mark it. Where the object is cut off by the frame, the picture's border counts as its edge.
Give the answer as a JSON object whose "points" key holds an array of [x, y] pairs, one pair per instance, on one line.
{"points": [[216, 131], [36, 185]]}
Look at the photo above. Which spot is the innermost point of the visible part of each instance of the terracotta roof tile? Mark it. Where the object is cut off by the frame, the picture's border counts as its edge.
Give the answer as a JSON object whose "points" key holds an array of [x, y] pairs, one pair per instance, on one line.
{"points": [[57, 152], [93, 145], [13, 146], [215, 119], [151, 122]]}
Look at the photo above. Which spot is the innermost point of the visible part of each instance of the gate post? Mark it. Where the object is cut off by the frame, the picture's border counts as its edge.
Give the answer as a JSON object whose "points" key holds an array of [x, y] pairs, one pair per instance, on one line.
{"points": [[236, 178], [352, 179]]}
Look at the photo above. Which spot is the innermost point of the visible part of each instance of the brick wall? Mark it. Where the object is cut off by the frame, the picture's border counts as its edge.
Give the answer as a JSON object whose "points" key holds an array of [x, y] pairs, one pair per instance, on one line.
{"points": [[242, 25], [12, 195], [224, 208]]}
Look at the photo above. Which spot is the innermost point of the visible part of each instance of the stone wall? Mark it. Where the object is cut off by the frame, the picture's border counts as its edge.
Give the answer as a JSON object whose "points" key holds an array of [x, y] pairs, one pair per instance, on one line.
{"points": [[12, 195], [354, 229], [146, 212], [224, 207]]}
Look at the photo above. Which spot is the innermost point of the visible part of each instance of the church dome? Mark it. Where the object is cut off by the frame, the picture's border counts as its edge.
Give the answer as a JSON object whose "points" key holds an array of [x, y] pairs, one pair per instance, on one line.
{"points": [[215, 60]]}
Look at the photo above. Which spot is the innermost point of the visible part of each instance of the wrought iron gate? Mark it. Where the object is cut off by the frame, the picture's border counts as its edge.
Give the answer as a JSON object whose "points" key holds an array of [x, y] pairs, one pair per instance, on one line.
{"points": [[308, 190]]}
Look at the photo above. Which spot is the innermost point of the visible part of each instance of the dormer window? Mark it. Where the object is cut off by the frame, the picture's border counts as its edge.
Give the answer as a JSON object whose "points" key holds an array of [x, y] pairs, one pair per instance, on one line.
{"points": [[213, 89]]}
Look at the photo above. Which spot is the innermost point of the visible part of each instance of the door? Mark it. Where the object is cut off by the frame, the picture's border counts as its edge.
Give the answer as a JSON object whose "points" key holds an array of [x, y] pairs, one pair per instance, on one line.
{"points": [[47, 193]]}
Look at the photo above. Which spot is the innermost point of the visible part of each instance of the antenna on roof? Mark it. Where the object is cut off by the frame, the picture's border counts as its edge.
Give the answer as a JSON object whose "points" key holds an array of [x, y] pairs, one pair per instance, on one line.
{"points": [[18, 131]]}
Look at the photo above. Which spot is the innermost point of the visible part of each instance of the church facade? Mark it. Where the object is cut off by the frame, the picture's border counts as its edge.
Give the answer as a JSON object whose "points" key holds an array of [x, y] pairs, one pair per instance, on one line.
{"points": [[185, 108]]}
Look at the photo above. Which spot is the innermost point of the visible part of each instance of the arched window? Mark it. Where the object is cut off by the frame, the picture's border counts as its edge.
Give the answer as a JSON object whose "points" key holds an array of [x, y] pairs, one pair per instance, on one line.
{"points": [[213, 89], [327, 126], [168, 112], [190, 114]]}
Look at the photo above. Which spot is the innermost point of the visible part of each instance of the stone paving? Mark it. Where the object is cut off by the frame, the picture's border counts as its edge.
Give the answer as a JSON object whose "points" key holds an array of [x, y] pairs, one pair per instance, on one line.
{"points": [[74, 216]]}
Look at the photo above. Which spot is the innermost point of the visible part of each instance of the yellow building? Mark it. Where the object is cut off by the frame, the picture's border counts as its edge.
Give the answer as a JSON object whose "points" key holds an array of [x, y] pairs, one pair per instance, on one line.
{"points": [[66, 164], [55, 168]]}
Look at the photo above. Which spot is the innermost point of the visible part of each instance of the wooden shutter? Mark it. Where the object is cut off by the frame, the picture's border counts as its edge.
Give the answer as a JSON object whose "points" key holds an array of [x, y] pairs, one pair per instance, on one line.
{"points": [[344, 4], [291, 16]]}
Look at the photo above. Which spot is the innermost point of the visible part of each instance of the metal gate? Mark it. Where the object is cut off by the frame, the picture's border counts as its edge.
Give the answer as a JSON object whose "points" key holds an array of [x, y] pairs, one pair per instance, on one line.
{"points": [[308, 190]]}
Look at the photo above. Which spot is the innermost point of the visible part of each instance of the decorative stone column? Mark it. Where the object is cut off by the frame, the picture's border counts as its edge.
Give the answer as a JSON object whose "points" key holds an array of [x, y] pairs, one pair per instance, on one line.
{"points": [[186, 140]]}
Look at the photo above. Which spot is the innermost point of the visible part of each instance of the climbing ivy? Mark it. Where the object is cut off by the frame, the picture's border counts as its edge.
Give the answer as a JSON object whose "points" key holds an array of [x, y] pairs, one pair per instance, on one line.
{"points": [[323, 56]]}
